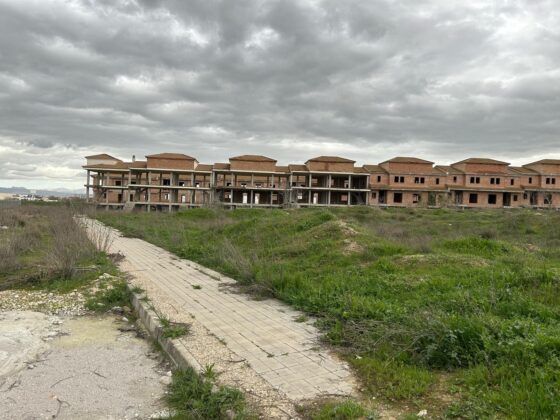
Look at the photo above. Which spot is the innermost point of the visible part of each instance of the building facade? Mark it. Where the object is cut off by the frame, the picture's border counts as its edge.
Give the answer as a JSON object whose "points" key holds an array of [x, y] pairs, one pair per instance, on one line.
{"points": [[170, 181]]}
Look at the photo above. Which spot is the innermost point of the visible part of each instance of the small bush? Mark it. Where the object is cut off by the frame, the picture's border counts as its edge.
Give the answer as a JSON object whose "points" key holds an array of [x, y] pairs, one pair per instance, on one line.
{"points": [[192, 398]]}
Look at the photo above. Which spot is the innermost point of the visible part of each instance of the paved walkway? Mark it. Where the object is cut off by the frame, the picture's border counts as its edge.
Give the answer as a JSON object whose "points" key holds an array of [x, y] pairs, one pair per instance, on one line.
{"points": [[283, 352]]}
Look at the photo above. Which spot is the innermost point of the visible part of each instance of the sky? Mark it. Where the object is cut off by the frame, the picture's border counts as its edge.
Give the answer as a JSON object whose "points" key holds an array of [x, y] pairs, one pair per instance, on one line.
{"points": [[363, 79]]}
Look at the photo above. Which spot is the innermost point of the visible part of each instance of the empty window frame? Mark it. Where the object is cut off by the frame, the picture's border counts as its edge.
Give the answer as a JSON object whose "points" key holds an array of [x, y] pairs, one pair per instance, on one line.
{"points": [[525, 196], [530, 180], [492, 199], [547, 199], [378, 178], [419, 180], [514, 197], [495, 181], [399, 179], [475, 180], [473, 198], [551, 181], [437, 181], [416, 198], [118, 182], [511, 181], [397, 197], [374, 195], [454, 179], [166, 181]]}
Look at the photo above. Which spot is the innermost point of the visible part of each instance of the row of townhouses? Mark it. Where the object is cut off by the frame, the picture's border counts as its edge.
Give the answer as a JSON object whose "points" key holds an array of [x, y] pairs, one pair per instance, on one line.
{"points": [[169, 181]]}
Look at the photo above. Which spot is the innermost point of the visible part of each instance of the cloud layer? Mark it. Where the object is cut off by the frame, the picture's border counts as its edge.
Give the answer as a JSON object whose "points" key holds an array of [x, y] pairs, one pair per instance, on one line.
{"points": [[290, 79]]}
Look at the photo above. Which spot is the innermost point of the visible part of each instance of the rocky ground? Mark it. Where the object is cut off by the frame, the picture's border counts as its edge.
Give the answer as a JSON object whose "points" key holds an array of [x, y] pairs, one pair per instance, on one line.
{"points": [[58, 360]]}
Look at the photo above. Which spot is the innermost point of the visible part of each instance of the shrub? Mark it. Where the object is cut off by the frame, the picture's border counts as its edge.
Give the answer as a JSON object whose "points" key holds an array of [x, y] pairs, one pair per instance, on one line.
{"points": [[192, 398]]}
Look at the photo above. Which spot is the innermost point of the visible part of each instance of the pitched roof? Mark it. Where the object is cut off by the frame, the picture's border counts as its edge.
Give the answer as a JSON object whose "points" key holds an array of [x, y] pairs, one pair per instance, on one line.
{"points": [[359, 170], [330, 159], [407, 159], [253, 158], [118, 165], [203, 167], [520, 170], [102, 156], [373, 169], [298, 168], [221, 166], [138, 164], [171, 156], [482, 161], [448, 169], [545, 162], [282, 169]]}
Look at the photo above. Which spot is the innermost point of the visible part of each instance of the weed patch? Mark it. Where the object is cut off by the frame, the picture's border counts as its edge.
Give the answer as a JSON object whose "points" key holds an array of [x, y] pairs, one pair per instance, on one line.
{"points": [[192, 398]]}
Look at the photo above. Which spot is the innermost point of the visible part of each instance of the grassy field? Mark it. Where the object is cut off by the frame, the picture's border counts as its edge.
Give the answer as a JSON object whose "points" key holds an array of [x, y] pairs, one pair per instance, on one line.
{"points": [[456, 312]]}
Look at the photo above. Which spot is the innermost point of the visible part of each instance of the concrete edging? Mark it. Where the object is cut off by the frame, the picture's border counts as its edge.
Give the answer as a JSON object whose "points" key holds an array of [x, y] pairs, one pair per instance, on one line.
{"points": [[174, 349]]}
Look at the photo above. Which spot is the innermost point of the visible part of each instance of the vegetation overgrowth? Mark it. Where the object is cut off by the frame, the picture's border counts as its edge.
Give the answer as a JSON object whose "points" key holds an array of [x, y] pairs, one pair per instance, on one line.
{"points": [[44, 247], [452, 311]]}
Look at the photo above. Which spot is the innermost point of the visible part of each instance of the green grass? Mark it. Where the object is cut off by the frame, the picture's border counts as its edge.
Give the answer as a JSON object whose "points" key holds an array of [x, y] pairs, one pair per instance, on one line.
{"points": [[336, 410], [173, 329], [419, 301], [191, 396]]}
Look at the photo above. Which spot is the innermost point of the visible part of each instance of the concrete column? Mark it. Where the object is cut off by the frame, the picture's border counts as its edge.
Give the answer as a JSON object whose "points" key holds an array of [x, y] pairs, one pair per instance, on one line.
{"points": [[349, 189], [87, 186], [251, 198], [106, 176], [149, 191], [252, 180], [329, 184]]}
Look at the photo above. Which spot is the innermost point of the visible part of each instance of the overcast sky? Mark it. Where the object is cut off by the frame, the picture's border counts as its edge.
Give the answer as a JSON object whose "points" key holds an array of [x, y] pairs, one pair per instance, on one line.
{"points": [[363, 79]]}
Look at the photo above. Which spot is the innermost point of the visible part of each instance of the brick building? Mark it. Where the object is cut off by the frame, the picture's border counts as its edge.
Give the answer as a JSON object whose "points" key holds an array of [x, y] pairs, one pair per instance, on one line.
{"points": [[172, 180]]}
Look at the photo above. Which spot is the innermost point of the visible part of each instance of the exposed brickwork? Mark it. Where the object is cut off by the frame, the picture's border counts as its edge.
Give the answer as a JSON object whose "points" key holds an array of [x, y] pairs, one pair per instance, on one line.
{"points": [[171, 181]]}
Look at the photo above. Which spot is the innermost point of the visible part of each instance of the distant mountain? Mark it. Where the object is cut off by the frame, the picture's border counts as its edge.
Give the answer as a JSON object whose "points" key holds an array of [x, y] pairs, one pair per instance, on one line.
{"points": [[56, 192]]}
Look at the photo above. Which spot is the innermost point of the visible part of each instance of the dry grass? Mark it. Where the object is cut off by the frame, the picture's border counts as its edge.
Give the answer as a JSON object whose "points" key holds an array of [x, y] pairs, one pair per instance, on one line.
{"points": [[44, 242]]}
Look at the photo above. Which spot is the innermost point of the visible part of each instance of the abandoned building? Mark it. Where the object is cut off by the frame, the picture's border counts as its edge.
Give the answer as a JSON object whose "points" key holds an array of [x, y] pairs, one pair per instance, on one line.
{"points": [[170, 181]]}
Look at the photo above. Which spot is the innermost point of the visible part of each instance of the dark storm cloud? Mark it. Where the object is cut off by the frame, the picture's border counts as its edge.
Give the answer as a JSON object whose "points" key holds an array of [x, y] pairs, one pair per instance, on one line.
{"points": [[290, 79]]}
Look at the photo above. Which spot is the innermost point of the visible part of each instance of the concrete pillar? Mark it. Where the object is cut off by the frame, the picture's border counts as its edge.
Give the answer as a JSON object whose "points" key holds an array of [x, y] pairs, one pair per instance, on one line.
{"points": [[149, 191], [349, 189], [87, 186], [329, 183]]}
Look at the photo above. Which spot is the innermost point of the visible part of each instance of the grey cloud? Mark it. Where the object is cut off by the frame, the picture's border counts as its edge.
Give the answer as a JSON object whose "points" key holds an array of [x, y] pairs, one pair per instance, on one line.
{"points": [[215, 78]]}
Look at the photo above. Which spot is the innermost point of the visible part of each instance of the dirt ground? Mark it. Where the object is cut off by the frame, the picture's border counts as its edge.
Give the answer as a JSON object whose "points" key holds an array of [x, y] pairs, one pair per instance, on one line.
{"points": [[77, 367]]}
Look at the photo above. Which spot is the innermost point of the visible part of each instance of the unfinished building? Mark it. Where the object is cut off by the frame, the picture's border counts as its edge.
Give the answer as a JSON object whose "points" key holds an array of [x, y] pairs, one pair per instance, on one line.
{"points": [[170, 181]]}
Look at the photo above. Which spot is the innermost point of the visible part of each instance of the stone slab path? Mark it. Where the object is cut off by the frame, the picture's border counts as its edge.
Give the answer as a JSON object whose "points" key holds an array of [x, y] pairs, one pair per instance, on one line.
{"points": [[285, 353]]}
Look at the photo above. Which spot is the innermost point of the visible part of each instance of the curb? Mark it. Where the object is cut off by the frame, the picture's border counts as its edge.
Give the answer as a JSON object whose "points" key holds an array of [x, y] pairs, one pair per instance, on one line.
{"points": [[174, 348]]}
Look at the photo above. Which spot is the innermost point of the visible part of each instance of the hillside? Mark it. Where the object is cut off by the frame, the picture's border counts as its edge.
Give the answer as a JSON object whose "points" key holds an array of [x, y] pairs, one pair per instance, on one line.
{"points": [[456, 312]]}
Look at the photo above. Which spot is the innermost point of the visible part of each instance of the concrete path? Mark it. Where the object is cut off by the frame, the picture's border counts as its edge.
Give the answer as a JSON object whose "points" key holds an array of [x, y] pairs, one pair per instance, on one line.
{"points": [[285, 353]]}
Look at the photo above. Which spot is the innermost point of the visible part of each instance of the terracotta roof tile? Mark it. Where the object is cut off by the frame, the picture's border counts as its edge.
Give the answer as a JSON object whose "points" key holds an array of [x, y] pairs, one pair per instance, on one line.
{"points": [[253, 158], [406, 159], [545, 162], [221, 166], [330, 159], [171, 156], [374, 169], [482, 161], [102, 156], [203, 167], [298, 168]]}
